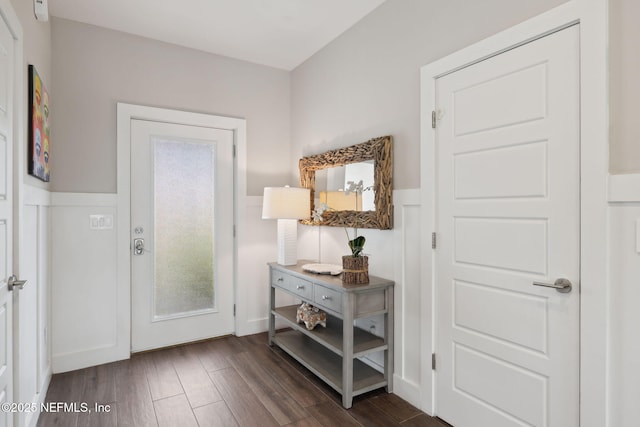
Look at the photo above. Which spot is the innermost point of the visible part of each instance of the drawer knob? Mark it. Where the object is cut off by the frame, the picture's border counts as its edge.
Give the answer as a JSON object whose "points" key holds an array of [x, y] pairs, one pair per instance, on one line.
{"points": [[300, 287], [280, 279], [326, 297]]}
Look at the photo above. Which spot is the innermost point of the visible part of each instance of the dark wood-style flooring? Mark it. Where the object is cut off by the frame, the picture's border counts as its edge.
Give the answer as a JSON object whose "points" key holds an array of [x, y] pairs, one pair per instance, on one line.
{"points": [[230, 381]]}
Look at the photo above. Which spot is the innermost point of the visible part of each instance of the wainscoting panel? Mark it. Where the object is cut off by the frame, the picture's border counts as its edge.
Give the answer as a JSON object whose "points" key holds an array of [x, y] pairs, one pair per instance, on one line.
{"points": [[256, 247], [84, 293], [409, 331], [624, 279]]}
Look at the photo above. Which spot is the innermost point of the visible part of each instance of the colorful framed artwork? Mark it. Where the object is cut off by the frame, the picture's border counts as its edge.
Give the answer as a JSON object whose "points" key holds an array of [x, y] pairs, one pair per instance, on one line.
{"points": [[39, 127]]}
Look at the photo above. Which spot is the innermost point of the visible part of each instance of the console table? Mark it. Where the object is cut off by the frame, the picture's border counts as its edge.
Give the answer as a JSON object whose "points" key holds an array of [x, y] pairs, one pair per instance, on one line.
{"points": [[332, 353]]}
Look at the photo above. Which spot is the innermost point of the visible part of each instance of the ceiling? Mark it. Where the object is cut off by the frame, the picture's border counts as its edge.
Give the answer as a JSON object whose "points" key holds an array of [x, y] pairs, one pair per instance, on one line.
{"points": [[277, 33]]}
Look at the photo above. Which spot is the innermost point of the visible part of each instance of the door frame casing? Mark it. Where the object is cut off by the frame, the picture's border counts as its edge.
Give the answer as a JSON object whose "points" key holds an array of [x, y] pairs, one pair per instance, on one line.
{"points": [[18, 148], [592, 18], [125, 113]]}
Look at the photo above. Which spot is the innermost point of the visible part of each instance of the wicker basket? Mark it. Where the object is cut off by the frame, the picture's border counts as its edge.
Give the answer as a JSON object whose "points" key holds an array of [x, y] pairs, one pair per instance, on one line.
{"points": [[355, 270]]}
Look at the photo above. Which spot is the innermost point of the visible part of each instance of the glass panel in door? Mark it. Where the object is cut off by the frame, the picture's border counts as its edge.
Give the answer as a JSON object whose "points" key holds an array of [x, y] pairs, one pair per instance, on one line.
{"points": [[184, 198]]}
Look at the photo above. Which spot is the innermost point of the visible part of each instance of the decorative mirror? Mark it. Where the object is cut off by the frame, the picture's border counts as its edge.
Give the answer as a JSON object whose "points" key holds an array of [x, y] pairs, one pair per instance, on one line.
{"points": [[327, 176]]}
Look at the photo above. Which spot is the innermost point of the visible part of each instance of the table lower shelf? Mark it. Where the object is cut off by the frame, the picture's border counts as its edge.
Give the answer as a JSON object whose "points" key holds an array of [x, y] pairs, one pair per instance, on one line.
{"points": [[326, 364], [331, 335]]}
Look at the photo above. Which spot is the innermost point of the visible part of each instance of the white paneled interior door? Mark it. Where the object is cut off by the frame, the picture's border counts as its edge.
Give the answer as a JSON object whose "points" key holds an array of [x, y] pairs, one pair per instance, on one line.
{"points": [[7, 66], [508, 216], [182, 216]]}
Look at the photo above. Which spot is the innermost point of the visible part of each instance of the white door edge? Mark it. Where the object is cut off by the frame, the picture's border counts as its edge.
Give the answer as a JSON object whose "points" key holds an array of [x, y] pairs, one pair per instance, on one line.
{"points": [[592, 17], [125, 113]]}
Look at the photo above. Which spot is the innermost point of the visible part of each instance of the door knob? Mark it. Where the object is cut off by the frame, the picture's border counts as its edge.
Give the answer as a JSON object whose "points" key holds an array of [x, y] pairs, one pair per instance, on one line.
{"points": [[13, 282], [560, 285]]}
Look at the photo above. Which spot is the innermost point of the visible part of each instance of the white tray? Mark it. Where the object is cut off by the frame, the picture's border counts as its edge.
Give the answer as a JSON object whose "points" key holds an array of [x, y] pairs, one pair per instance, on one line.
{"points": [[332, 269]]}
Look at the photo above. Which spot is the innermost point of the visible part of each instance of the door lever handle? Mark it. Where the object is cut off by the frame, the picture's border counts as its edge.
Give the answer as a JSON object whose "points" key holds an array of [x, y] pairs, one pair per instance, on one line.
{"points": [[560, 285], [13, 282]]}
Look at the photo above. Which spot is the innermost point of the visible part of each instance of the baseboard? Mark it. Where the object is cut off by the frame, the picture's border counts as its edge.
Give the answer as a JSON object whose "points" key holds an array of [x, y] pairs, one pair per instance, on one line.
{"points": [[33, 421], [258, 326], [84, 359], [408, 391], [253, 326]]}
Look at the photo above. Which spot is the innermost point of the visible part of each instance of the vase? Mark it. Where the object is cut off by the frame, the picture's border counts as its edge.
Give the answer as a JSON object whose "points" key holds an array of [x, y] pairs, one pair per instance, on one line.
{"points": [[355, 270]]}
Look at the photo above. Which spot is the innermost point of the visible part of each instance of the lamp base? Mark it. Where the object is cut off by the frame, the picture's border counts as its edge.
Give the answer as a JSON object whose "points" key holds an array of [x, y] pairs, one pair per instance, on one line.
{"points": [[287, 241]]}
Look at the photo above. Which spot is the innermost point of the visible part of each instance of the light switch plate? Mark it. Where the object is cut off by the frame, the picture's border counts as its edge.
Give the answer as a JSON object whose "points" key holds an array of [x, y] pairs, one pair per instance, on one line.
{"points": [[101, 222]]}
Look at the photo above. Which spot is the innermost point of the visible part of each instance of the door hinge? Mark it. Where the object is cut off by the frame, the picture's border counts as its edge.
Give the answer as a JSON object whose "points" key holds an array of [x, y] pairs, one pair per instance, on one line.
{"points": [[433, 119], [234, 230], [234, 151], [234, 310], [433, 361], [433, 240]]}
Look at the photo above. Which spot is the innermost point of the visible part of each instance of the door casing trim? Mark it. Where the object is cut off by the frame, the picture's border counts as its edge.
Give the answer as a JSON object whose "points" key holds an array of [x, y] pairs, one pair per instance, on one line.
{"points": [[125, 113]]}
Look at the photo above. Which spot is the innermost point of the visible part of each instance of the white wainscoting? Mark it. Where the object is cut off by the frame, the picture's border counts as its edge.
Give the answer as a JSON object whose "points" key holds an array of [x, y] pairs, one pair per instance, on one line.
{"points": [[87, 316], [84, 300], [90, 319], [624, 279], [256, 247], [409, 330], [394, 254], [32, 316]]}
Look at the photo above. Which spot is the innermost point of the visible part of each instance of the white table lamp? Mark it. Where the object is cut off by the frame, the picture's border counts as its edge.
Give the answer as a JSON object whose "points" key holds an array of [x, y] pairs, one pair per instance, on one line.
{"points": [[287, 205]]}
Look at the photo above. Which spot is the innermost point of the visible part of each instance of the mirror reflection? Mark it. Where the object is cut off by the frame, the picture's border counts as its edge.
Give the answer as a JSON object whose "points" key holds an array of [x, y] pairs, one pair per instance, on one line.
{"points": [[332, 182]]}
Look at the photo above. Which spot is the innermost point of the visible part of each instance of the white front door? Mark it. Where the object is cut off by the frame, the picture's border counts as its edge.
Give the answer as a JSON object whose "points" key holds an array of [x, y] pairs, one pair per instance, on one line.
{"points": [[182, 242], [7, 66], [508, 216]]}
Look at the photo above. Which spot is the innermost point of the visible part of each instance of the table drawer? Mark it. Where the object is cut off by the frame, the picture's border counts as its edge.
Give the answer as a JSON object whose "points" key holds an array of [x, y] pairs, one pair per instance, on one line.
{"points": [[327, 298], [295, 285]]}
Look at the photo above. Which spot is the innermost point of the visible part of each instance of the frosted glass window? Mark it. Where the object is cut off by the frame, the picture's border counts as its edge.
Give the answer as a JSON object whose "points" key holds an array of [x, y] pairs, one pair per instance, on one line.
{"points": [[183, 228]]}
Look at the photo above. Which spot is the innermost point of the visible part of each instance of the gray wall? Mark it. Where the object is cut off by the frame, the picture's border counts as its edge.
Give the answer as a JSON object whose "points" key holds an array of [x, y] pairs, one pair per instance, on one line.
{"points": [[94, 68], [36, 51], [367, 82], [625, 89]]}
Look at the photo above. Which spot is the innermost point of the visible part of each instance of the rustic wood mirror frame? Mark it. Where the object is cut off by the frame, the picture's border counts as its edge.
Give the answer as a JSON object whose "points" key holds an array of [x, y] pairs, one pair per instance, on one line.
{"points": [[378, 149]]}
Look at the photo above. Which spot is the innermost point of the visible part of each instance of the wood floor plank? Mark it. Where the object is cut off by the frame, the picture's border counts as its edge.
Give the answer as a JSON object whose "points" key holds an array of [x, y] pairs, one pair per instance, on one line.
{"points": [[398, 409], [215, 354], [100, 384], [196, 383], [135, 406], [256, 370], [243, 403], [107, 417], [215, 414], [307, 422], [368, 414], [330, 414], [251, 383], [423, 420], [65, 387], [174, 411], [298, 386], [161, 375]]}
